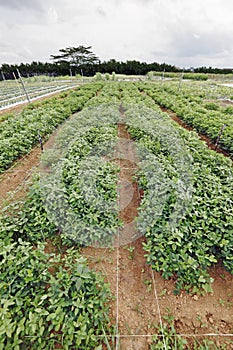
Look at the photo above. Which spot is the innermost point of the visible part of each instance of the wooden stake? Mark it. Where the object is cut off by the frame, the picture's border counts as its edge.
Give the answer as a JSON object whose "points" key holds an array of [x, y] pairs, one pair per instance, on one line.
{"points": [[219, 135], [24, 88], [17, 83]]}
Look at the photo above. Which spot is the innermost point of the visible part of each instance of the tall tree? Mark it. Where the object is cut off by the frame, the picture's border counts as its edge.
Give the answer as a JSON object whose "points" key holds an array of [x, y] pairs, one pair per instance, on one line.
{"points": [[76, 56]]}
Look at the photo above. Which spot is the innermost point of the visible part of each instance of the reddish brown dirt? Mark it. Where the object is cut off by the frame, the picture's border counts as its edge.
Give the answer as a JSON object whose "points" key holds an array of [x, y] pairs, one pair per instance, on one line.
{"points": [[211, 313], [203, 137], [15, 181], [138, 312], [18, 177]]}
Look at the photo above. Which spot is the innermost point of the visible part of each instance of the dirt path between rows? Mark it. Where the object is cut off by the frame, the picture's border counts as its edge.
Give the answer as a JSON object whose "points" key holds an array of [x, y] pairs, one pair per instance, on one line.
{"points": [[203, 137], [15, 181], [133, 311]]}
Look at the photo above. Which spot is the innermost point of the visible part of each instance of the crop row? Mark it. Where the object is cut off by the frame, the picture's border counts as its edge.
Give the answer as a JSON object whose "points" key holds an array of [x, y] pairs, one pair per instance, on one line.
{"points": [[18, 135], [55, 300], [206, 117], [49, 301]]}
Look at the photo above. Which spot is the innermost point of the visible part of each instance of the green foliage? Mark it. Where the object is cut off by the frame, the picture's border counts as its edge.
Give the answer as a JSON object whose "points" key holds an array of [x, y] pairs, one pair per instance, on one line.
{"points": [[77, 200], [150, 75], [186, 213], [88, 185], [228, 110], [98, 76], [49, 301], [195, 76], [191, 76], [166, 335], [76, 56], [107, 76], [212, 106], [19, 135], [206, 118], [6, 116], [113, 76]]}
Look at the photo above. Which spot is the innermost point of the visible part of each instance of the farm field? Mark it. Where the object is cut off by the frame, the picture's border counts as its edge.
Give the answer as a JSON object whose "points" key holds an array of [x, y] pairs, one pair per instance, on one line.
{"points": [[12, 92], [122, 237]]}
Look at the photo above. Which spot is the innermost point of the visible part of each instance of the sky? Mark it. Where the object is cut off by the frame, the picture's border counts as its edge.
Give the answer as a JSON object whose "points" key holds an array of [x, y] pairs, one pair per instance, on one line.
{"points": [[184, 33]]}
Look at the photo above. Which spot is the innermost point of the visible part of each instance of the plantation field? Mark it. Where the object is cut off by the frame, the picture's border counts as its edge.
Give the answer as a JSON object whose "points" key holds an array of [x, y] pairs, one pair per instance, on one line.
{"points": [[12, 92], [123, 235]]}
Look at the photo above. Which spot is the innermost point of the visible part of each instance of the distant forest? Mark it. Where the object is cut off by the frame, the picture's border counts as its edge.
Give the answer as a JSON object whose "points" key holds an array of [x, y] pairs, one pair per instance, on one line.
{"points": [[134, 67]]}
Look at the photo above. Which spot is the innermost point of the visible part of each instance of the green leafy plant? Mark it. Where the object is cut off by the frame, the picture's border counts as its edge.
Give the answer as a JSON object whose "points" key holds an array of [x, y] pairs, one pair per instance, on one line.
{"points": [[131, 250], [49, 301]]}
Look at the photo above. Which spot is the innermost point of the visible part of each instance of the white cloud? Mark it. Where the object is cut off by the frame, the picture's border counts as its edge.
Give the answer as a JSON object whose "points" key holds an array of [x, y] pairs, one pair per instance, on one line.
{"points": [[180, 32]]}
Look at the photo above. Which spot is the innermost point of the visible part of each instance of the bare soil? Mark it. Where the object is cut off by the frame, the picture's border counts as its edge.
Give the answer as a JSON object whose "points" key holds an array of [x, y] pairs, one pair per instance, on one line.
{"points": [[138, 311], [15, 181]]}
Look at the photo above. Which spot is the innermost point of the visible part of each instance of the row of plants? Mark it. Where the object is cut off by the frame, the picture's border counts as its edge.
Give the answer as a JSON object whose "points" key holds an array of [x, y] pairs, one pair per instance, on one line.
{"points": [[53, 300], [198, 91], [50, 301], [191, 76], [86, 178], [187, 210], [18, 135], [206, 117]]}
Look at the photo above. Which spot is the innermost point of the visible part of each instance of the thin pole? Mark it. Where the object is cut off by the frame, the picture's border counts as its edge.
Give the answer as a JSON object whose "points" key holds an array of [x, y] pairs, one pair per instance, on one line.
{"points": [[3, 78], [219, 135], [17, 82], [23, 85]]}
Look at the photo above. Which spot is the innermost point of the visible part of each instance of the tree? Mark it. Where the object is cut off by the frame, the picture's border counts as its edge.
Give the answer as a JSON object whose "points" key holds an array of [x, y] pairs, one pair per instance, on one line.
{"points": [[77, 57]]}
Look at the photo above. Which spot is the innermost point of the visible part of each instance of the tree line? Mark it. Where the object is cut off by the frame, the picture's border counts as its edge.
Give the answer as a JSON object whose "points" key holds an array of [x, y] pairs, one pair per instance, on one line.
{"points": [[81, 60], [54, 69]]}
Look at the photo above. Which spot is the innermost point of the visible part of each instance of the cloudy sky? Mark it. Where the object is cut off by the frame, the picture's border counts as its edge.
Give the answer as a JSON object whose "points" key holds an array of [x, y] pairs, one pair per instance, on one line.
{"points": [[180, 32]]}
